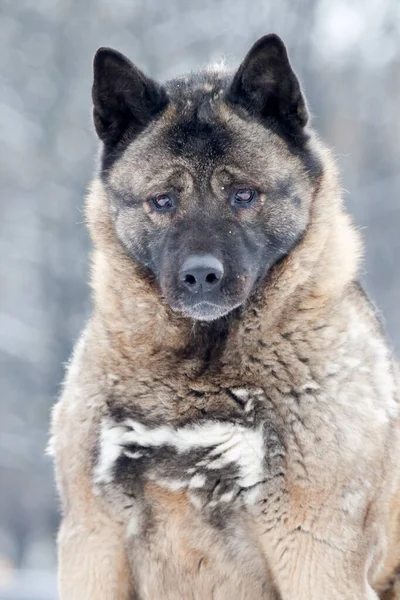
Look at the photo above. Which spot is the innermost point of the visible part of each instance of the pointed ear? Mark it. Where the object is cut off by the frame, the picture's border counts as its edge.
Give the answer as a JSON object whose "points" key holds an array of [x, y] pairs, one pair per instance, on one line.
{"points": [[123, 97], [266, 86]]}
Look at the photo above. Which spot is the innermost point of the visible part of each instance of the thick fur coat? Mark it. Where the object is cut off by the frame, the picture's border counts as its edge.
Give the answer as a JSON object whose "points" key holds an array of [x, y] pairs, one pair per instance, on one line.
{"points": [[250, 456]]}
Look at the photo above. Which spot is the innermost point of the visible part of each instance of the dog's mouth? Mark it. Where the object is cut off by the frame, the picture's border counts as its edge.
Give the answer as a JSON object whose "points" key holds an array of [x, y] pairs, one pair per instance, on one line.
{"points": [[205, 310]]}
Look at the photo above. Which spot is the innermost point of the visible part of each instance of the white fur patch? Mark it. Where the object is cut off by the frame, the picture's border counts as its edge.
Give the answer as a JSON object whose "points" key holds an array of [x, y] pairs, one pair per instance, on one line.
{"points": [[134, 526], [184, 439], [241, 393], [244, 448], [227, 443], [227, 497], [110, 450], [197, 481]]}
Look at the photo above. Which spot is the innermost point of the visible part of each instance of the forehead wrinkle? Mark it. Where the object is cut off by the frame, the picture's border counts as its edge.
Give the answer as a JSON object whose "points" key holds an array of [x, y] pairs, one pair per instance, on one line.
{"points": [[236, 171], [238, 174], [155, 179]]}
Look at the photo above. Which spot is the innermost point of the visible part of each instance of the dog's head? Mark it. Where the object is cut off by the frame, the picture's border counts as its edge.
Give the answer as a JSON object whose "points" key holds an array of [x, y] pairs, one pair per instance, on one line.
{"points": [[209, 177]]}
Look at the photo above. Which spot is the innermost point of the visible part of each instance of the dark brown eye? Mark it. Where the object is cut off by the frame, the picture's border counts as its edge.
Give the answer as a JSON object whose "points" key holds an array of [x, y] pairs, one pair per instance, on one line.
{"points": [[244, 196], [162, 202]]}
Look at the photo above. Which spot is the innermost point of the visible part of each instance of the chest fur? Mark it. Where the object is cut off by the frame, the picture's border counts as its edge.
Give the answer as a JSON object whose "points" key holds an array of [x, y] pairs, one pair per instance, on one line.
{"points": [[250, 446], [303, 421]]}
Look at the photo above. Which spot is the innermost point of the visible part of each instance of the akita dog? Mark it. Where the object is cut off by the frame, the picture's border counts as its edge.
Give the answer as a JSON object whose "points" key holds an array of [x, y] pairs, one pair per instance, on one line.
{"points": [[229, 426]]}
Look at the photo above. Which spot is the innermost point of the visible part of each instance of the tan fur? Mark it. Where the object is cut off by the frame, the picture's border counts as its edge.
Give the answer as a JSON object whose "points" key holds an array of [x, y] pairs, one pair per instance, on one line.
{"points": [[92, 560], [330, 527]]}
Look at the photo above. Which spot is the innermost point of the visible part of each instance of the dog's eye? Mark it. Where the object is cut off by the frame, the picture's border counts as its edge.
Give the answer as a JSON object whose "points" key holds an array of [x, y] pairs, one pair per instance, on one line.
{"points": [[162, 202], [244, 197]]}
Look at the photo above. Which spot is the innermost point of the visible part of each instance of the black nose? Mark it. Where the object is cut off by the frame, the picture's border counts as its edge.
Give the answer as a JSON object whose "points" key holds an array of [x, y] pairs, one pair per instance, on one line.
{"points": [[201, 273]]}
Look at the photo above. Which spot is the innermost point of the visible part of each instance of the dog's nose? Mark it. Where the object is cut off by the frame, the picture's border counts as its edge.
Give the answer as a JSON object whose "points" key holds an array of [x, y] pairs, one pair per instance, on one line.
{"points": [[201, 273]]}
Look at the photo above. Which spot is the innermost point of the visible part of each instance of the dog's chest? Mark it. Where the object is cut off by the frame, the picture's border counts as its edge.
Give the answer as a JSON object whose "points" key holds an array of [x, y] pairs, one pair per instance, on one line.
{"points": [[219, 460], [250, 447]]}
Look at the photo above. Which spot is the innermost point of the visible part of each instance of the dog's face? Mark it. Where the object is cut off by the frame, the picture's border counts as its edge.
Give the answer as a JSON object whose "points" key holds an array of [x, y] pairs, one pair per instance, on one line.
{"points": [[209, 178]]}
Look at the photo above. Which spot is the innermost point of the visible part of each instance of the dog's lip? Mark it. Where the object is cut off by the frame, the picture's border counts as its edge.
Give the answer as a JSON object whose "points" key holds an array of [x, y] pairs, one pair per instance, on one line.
{"points": [[205, 310], [207, 302]]}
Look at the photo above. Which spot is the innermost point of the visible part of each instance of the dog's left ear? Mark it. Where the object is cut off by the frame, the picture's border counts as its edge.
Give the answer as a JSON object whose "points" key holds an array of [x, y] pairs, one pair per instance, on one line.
{"points": [[266, 86]]}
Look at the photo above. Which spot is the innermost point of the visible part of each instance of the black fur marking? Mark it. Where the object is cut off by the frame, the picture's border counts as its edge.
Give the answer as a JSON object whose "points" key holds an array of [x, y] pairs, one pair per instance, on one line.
{"points": [[124, 475], [192, 136], [165, 463], [236, 399], [197, 394], [120, 412], [196, 132]]}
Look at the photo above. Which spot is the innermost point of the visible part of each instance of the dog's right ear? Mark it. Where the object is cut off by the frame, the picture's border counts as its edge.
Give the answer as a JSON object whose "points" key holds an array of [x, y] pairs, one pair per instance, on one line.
{"points": [[124, 99]]}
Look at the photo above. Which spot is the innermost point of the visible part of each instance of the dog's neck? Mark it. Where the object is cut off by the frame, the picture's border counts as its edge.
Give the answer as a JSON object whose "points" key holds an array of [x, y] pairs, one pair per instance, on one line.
{"points": [[132, 319]]}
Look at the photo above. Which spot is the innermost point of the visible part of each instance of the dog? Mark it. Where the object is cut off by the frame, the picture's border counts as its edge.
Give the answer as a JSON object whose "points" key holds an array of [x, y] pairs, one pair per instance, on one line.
{"points": [[229, 422]]}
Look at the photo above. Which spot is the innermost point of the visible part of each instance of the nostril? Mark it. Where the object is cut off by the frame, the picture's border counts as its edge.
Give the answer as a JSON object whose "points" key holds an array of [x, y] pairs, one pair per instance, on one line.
{"points": [[190, 279], [211, 278]]}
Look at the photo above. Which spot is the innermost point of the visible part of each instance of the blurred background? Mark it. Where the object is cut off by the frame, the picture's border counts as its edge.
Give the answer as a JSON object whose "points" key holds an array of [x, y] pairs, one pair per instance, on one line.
{"points": [[347, 54]]}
